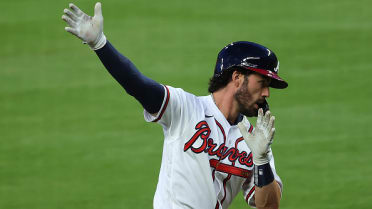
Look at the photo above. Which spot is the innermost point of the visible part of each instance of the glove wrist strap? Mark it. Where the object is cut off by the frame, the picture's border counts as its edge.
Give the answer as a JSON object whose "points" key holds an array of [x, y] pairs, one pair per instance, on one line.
{"points": [[263, 175], [101, 41]]}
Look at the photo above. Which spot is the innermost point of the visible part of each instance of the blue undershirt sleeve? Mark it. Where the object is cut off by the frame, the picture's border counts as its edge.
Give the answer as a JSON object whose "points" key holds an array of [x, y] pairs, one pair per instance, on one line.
{"points": [[147, 91]]}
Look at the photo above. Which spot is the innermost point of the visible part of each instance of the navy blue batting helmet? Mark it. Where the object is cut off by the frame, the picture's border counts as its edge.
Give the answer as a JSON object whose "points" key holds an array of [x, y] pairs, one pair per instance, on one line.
{"points": [[250, 56]]}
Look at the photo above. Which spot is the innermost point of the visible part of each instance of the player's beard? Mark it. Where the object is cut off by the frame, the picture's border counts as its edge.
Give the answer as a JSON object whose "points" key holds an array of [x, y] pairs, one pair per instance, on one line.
{"points": [[244, 99]]}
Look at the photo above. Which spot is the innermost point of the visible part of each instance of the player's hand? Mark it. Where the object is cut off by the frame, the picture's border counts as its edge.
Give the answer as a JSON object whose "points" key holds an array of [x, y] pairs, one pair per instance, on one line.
{"points": [[88, 29], [261, 138]]}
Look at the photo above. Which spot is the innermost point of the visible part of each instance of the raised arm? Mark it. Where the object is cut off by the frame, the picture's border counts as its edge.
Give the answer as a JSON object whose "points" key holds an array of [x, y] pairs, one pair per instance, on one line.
{"points": [[90, 30]]}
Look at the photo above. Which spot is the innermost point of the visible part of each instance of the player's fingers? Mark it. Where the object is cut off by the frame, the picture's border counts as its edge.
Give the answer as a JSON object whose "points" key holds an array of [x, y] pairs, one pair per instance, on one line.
{"points": [[266, 119], [243, 130], [245, 120], [69, 21], [271, 123], [271, 136], [73, 31], [76, 9], [98, 9], [259, 116], [70, 14]]}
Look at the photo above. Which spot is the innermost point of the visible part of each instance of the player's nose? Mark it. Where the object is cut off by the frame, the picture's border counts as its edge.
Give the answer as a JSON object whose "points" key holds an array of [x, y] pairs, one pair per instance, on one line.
{"points": [[265, 92]]}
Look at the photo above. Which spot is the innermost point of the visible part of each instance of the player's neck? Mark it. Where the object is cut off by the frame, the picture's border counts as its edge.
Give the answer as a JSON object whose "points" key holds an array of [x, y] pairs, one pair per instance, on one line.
{"points": [[224, 100]]}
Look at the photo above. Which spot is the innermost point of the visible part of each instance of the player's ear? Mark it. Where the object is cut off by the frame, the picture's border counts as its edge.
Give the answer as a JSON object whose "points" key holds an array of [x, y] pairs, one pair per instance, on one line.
{"points": [[237, 78]]}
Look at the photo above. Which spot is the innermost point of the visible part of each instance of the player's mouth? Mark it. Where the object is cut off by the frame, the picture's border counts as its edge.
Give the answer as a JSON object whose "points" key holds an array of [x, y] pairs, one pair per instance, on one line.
{"points": [[259, 104]]}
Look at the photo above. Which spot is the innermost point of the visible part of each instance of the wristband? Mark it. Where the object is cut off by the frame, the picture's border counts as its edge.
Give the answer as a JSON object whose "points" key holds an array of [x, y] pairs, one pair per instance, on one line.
{"points": [[263, 175]]}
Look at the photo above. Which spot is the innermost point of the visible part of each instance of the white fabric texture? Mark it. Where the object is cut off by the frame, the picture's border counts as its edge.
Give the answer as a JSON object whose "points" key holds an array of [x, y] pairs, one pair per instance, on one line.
{"points": [[205, 160]]}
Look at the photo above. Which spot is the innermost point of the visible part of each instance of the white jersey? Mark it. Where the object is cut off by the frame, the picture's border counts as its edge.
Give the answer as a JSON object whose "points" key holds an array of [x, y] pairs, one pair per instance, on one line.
{"points": [[205, 160]]}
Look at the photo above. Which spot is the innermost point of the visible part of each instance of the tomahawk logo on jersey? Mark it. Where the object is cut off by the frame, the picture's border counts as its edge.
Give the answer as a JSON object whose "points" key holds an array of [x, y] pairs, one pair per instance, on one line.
{"points": [[205, 160]]}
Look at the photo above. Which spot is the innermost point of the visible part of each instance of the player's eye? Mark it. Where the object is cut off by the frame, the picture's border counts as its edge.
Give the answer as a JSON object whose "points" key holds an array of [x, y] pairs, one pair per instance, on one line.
{"points": [[263, 83]]}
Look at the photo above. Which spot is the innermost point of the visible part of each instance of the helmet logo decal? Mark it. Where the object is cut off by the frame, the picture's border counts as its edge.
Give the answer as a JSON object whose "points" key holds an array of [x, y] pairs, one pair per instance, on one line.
{"points": [[246, 63]]}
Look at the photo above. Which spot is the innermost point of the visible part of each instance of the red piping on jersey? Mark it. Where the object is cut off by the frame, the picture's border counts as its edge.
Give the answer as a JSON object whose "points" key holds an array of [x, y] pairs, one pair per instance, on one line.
{"points": [[229, 176], [164, 107], [213, 174], [218, 162], [229, 169], [223, 131], [253, 188], [250, 193], [224, 187], [250, 128], [237, 142]]}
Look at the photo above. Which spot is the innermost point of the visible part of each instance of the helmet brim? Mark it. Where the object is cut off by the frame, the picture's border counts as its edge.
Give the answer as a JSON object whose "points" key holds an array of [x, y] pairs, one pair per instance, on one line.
{"points": [[276, 81]]}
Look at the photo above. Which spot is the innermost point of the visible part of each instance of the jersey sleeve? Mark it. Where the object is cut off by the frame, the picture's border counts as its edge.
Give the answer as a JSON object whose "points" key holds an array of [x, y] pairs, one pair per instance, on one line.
{"points": [[177, 109], [249, 188], [146, 91]]}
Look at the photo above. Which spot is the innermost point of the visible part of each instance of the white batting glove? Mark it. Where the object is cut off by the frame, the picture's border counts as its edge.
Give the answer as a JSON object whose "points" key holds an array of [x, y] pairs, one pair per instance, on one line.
{"points": [[88, 29], [261, 138]]}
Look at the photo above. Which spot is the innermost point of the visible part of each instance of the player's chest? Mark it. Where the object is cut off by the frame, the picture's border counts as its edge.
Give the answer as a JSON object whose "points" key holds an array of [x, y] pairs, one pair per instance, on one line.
{"points": [[222, 143]]}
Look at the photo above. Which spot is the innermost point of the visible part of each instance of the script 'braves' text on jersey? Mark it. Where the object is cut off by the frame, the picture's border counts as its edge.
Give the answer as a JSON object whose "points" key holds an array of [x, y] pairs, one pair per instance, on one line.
{"points": [[206, 161]]}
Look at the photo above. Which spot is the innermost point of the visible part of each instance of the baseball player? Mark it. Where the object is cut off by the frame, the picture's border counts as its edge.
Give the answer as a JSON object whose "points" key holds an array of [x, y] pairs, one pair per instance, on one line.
{"points": [[211, 151]]}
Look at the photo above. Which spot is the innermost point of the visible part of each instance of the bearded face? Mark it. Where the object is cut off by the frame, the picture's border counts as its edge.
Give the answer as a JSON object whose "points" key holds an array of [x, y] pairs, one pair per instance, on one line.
{"points": [[248, 97]]}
